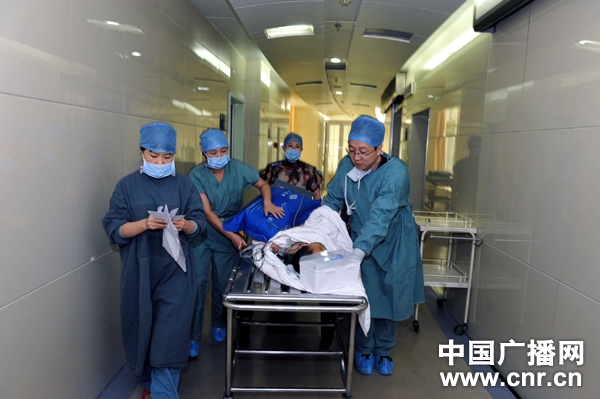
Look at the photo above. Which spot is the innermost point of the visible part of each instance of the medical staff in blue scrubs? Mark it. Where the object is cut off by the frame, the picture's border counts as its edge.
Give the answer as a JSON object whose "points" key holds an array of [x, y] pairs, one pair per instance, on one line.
{"points": [[157, 295], [374, 188], [221, 182]]}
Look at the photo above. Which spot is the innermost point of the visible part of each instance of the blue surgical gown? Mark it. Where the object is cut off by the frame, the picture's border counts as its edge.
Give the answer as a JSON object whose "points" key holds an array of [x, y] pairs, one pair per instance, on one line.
{"points": [[157, 296], [383, 226]]}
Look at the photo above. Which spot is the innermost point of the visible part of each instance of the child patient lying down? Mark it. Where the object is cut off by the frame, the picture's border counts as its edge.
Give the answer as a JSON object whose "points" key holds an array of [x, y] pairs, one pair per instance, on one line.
{"points": [[296, 251]]}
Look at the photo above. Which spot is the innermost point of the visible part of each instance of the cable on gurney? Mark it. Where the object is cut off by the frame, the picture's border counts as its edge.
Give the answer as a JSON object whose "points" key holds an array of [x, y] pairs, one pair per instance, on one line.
{"points": [[323, 225]]}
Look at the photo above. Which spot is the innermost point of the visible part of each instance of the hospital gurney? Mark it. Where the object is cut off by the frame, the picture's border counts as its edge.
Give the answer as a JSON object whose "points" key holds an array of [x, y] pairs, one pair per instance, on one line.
{"points": [[250, 290]]}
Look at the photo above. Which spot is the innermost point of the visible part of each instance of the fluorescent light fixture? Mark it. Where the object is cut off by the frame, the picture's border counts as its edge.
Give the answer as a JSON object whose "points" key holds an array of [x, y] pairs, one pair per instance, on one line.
{"points": [[450, 49], [203, 88], [335, 60], [212, 59], [379, 115], [388, 35], [292, 30], [112, 25], [588, 45], [339, 92], [191, 108], [136, 54], [265, 74]]}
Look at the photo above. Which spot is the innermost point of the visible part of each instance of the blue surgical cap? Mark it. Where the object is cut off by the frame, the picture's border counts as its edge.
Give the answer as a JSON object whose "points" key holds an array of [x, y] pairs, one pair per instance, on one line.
{"points": [[213, 138], [292, 137], [368, 130], [158, 137]]}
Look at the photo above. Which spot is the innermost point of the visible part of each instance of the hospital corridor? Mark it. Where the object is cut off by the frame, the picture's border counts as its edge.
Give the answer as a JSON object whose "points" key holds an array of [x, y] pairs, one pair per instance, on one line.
{"points": [[442, 154]]}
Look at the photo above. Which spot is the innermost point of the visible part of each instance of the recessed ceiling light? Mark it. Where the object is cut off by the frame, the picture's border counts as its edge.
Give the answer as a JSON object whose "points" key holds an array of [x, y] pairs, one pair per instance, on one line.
{"points": [[292, 30], [136, 54], [335, 60], [111, 23], [203, 88], [338, 92]]}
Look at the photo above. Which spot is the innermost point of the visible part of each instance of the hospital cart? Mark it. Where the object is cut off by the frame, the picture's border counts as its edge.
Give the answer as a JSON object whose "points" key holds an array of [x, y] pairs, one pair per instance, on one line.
{"points": [[250, 290], [445, 272]]}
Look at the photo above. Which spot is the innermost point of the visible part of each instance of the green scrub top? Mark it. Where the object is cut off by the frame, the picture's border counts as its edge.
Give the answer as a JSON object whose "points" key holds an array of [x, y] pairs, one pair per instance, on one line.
{"points": [[383, 226], [227, 197]]}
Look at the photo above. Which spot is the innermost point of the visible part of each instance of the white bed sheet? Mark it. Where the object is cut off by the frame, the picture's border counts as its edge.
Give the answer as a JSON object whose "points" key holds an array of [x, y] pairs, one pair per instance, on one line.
{"points": [[324, 226]]}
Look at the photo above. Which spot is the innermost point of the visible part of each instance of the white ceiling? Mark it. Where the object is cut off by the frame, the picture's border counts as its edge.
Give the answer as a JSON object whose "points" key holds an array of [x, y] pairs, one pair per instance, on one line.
{"points": [[371, 63]]}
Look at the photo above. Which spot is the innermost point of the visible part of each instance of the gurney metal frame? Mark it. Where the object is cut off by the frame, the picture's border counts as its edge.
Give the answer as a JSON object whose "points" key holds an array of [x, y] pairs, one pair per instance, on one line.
{"points": [[244, 293]]}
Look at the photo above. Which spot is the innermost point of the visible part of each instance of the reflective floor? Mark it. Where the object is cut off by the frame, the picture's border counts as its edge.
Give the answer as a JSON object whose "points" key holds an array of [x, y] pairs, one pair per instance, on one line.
{"points": [[417, 365]]}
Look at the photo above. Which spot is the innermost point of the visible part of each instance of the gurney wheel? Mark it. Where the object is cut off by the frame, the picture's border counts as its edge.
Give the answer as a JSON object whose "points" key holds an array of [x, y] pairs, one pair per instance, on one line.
{"points": [[225, 396], [344, 396], [440, 303], [459, 330], [416, 326]]}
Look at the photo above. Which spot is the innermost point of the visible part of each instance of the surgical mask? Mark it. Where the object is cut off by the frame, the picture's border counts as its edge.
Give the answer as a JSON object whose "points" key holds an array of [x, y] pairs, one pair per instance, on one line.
{"points": [[292, 155], [217, 162], [356, 175], [159, 171]]}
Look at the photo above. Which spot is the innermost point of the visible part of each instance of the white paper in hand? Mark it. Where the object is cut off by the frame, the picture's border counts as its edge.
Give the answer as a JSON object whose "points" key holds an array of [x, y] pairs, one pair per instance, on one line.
{"points": [[170, 239]]}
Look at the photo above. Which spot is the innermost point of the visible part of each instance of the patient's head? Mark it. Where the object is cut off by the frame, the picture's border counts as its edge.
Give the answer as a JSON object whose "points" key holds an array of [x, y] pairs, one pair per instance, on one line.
{"points": [[305, 249]]}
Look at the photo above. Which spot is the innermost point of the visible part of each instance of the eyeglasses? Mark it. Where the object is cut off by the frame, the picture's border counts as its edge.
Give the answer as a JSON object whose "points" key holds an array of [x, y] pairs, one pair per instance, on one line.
{"points": [[362, 154]]}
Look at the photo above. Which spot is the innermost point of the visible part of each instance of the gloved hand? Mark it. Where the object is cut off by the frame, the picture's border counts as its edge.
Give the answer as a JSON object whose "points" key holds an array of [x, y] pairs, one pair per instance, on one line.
{"points": [[359, 252]]}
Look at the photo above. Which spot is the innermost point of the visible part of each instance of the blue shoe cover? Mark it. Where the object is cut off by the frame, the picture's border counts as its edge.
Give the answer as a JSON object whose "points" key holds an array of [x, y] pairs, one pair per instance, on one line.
{"points": [[363, 363], [384, 364], [194, 348], [218, 334]]}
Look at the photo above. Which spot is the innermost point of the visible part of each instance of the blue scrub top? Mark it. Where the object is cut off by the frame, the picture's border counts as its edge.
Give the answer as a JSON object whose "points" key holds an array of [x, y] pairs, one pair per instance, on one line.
{"points": [[383, 226], [157, 297]]}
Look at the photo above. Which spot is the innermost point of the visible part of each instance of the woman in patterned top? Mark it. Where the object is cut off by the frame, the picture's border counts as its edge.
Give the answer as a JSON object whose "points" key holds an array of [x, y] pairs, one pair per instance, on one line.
{"points": [[292, 170]]}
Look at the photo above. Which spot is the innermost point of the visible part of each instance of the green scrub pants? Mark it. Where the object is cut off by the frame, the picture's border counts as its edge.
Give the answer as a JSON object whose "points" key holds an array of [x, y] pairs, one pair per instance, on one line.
{"points": [[379, 341], [217, 261]]}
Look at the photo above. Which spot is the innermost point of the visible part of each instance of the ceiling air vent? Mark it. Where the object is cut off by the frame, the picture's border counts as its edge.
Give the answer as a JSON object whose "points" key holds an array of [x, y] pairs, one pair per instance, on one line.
{"points": [[363, 85], [311, 83], [388, 35], [335, 67]]}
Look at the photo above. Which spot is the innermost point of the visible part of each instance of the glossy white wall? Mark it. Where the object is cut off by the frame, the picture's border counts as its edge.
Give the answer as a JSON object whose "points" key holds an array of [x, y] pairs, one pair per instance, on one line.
{"points": [[73, 97], [537, 180]]}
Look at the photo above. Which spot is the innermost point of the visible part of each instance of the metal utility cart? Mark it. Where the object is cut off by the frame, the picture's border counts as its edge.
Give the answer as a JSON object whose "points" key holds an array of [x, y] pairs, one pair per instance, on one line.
{"points": [[444, 272], [250, 290]]}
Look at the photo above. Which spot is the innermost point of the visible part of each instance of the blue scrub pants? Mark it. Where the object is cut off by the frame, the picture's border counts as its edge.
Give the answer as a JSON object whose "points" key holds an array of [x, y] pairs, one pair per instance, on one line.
{"points": [[216, 260], [164, 383], [379, 341]]}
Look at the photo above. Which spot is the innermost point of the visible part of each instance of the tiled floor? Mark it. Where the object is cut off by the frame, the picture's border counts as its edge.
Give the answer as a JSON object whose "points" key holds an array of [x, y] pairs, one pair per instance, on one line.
{"points": [[417, 366]]}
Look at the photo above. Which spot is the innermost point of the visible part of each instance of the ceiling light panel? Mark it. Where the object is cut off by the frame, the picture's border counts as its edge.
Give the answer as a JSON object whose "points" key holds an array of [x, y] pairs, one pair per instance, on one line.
{"points": [[291, 30]]}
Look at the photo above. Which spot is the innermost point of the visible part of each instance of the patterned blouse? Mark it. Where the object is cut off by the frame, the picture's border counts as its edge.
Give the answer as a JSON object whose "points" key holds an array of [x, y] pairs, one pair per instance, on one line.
{"points": [[299, 174]]}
